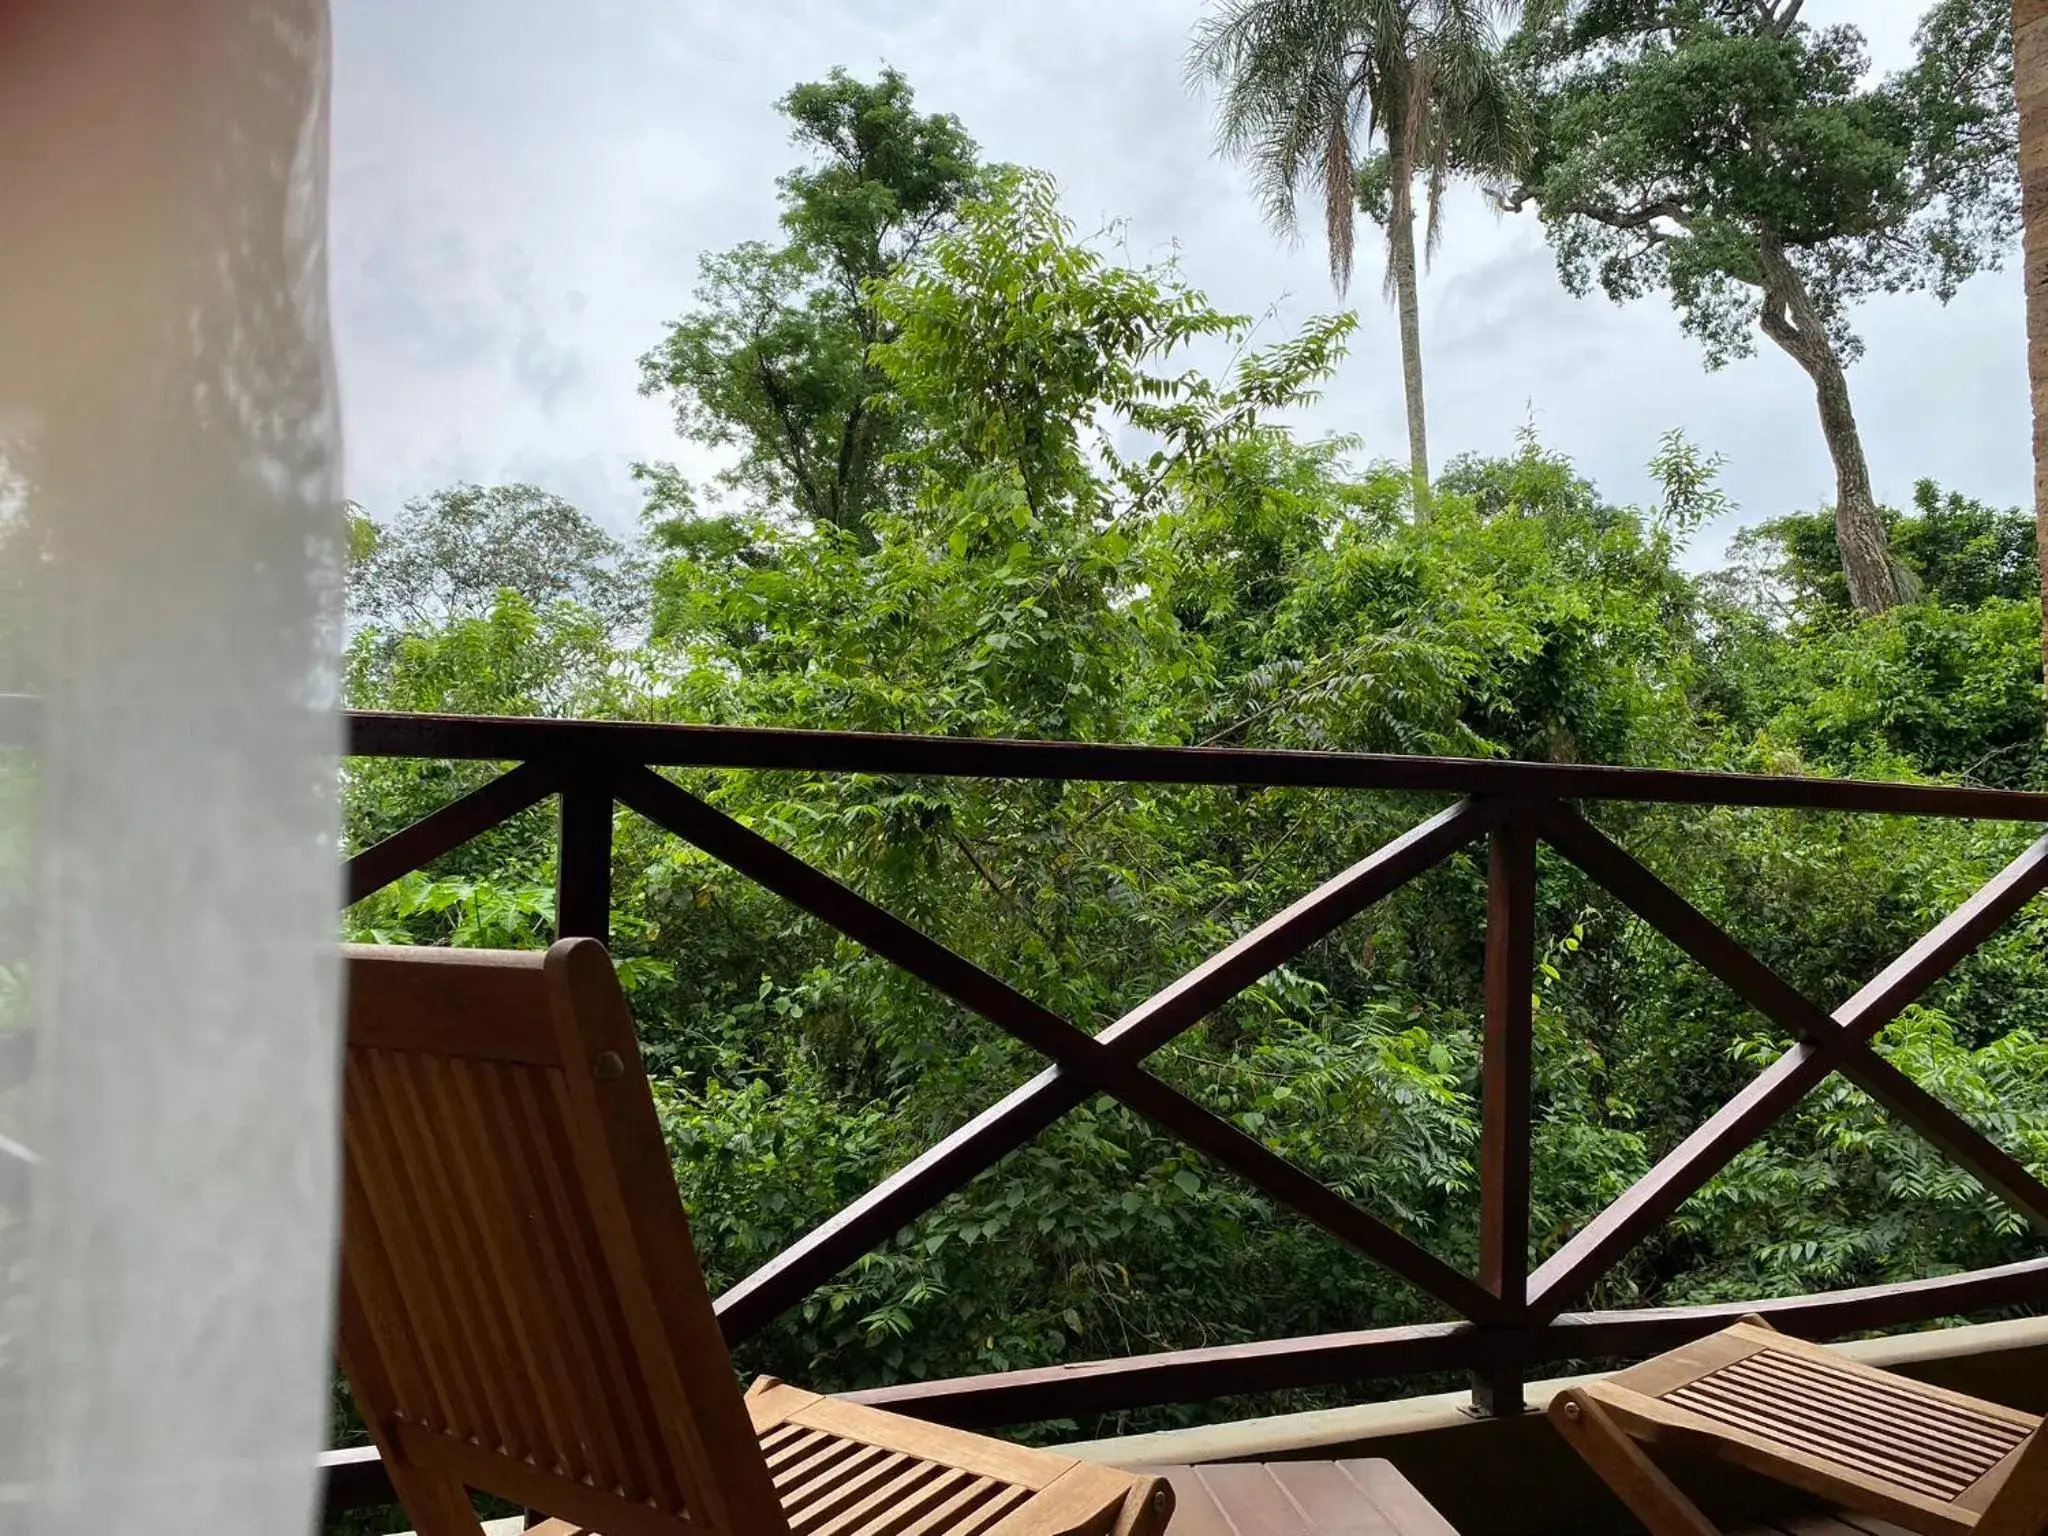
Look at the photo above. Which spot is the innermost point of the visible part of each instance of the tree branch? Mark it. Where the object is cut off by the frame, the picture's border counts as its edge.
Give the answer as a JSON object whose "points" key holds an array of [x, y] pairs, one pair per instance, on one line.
{"points": [[792, 455], [1643, 216]]}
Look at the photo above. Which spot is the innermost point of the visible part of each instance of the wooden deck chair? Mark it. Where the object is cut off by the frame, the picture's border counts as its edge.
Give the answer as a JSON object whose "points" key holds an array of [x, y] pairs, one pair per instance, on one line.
{"points": [[522, 1313], [1862, 1439]]}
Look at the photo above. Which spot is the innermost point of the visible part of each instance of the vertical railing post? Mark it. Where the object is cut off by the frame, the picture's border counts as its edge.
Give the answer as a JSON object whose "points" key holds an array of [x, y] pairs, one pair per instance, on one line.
{"points": [[1505, 1096], [583, 863]]}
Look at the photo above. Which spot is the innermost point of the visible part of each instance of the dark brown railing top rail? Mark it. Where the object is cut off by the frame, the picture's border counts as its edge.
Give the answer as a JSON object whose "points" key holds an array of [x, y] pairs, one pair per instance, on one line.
{"points": [[502, 739]]}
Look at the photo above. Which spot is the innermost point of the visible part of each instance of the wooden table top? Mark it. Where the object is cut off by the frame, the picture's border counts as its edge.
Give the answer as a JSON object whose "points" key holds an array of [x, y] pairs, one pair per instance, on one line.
{"points": [[1298, 1498]]}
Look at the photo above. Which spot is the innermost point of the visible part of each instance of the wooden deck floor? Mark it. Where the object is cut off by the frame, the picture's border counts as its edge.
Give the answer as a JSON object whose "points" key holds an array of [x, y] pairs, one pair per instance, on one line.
{"points": [[1357, 1498]]}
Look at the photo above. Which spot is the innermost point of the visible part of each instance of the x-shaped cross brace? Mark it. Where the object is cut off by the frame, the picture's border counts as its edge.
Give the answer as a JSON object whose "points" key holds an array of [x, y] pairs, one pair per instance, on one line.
{"points": [[1083, 1064], [1837, 1042]]}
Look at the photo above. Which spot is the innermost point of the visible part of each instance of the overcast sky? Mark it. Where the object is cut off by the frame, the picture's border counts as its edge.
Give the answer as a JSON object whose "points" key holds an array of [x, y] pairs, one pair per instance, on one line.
{"points": [[521, 190]]}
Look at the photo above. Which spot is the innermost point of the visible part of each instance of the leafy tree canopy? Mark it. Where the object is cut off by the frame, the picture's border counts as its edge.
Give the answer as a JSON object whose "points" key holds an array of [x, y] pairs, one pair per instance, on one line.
{"points": [[450, 555], [1733, 156], [1098, 539], [1685, 144], [772, 366]]}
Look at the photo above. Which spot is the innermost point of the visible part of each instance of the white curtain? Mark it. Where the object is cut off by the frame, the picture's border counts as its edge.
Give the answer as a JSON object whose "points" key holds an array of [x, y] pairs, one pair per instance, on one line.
{"points": [[170, 573]]}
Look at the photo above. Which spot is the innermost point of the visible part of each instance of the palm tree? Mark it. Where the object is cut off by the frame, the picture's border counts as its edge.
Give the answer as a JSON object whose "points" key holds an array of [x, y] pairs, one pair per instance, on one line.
{"points": [[1307, 84], [2030, 81]]}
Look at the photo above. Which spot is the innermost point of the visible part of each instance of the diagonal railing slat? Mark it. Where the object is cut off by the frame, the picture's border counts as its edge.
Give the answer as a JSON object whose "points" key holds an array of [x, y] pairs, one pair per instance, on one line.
{"points": [[1084, 1064], [1589, 1253], [447, 829], [1287, 933]]}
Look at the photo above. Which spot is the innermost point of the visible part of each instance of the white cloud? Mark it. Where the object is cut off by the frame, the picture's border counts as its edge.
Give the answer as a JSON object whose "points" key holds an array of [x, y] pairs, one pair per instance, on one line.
{"points": [[521, 190]]}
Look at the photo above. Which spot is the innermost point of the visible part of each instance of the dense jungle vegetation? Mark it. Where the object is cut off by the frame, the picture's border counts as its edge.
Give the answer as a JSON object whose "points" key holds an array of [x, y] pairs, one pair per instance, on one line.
{"points": [[985, 477]]}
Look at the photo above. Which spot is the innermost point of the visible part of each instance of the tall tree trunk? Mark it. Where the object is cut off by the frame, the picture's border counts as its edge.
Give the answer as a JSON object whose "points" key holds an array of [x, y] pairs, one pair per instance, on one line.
{"points": [[1401, 268], [1790, 319], [2030, 80]]}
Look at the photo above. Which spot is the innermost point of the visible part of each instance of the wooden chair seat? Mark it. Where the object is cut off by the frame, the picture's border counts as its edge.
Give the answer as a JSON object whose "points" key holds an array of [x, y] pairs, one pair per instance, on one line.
{"points": [[1871, 1442], [839, 1469]]}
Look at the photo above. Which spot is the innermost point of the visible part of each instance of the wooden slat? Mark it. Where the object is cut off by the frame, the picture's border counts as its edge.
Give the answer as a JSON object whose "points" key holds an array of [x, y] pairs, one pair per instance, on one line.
{"points": [[809, 1509], [646, 1472], [413, 999], [1662, 1419], [974, 1508], [915, 1490], [396, 1379], [469, 1103], [454, 1245], [825, 1474], [1810, 1433], [818, 1459], [1020, 1465], [1330, 1498], [413, 1302], [424, 1273], [1855, 1397], [602, 1377], [1888, 1381], [1243, 1499], [1085, 1497], [589, 1446], [841, 1469], [1822, 1411], [486, 1264]]}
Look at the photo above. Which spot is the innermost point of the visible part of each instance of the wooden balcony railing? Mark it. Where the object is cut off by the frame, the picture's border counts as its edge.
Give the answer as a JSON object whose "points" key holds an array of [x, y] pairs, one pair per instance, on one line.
{"points": [[1512, 1317]]}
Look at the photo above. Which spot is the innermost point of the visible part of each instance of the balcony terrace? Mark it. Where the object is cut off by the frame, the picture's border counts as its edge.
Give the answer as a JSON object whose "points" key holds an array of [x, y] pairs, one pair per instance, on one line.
{"points": [[1505, 1323]]}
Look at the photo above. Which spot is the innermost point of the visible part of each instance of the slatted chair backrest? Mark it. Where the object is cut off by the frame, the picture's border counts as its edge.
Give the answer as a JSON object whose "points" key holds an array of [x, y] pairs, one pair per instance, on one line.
{"points": [[521, 1309]]}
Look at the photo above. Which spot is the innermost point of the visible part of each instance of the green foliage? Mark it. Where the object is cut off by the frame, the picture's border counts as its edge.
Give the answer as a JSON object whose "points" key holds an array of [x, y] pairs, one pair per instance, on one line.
{"points": [[1955, 551], [1306, 90], [773, 363], [1097, 540], [1683, 142], [453, 554]]}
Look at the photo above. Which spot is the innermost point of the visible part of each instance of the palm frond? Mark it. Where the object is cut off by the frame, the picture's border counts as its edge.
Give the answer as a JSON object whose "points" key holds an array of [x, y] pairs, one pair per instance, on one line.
{"points": [[1305, 87], [1340, 215]]}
